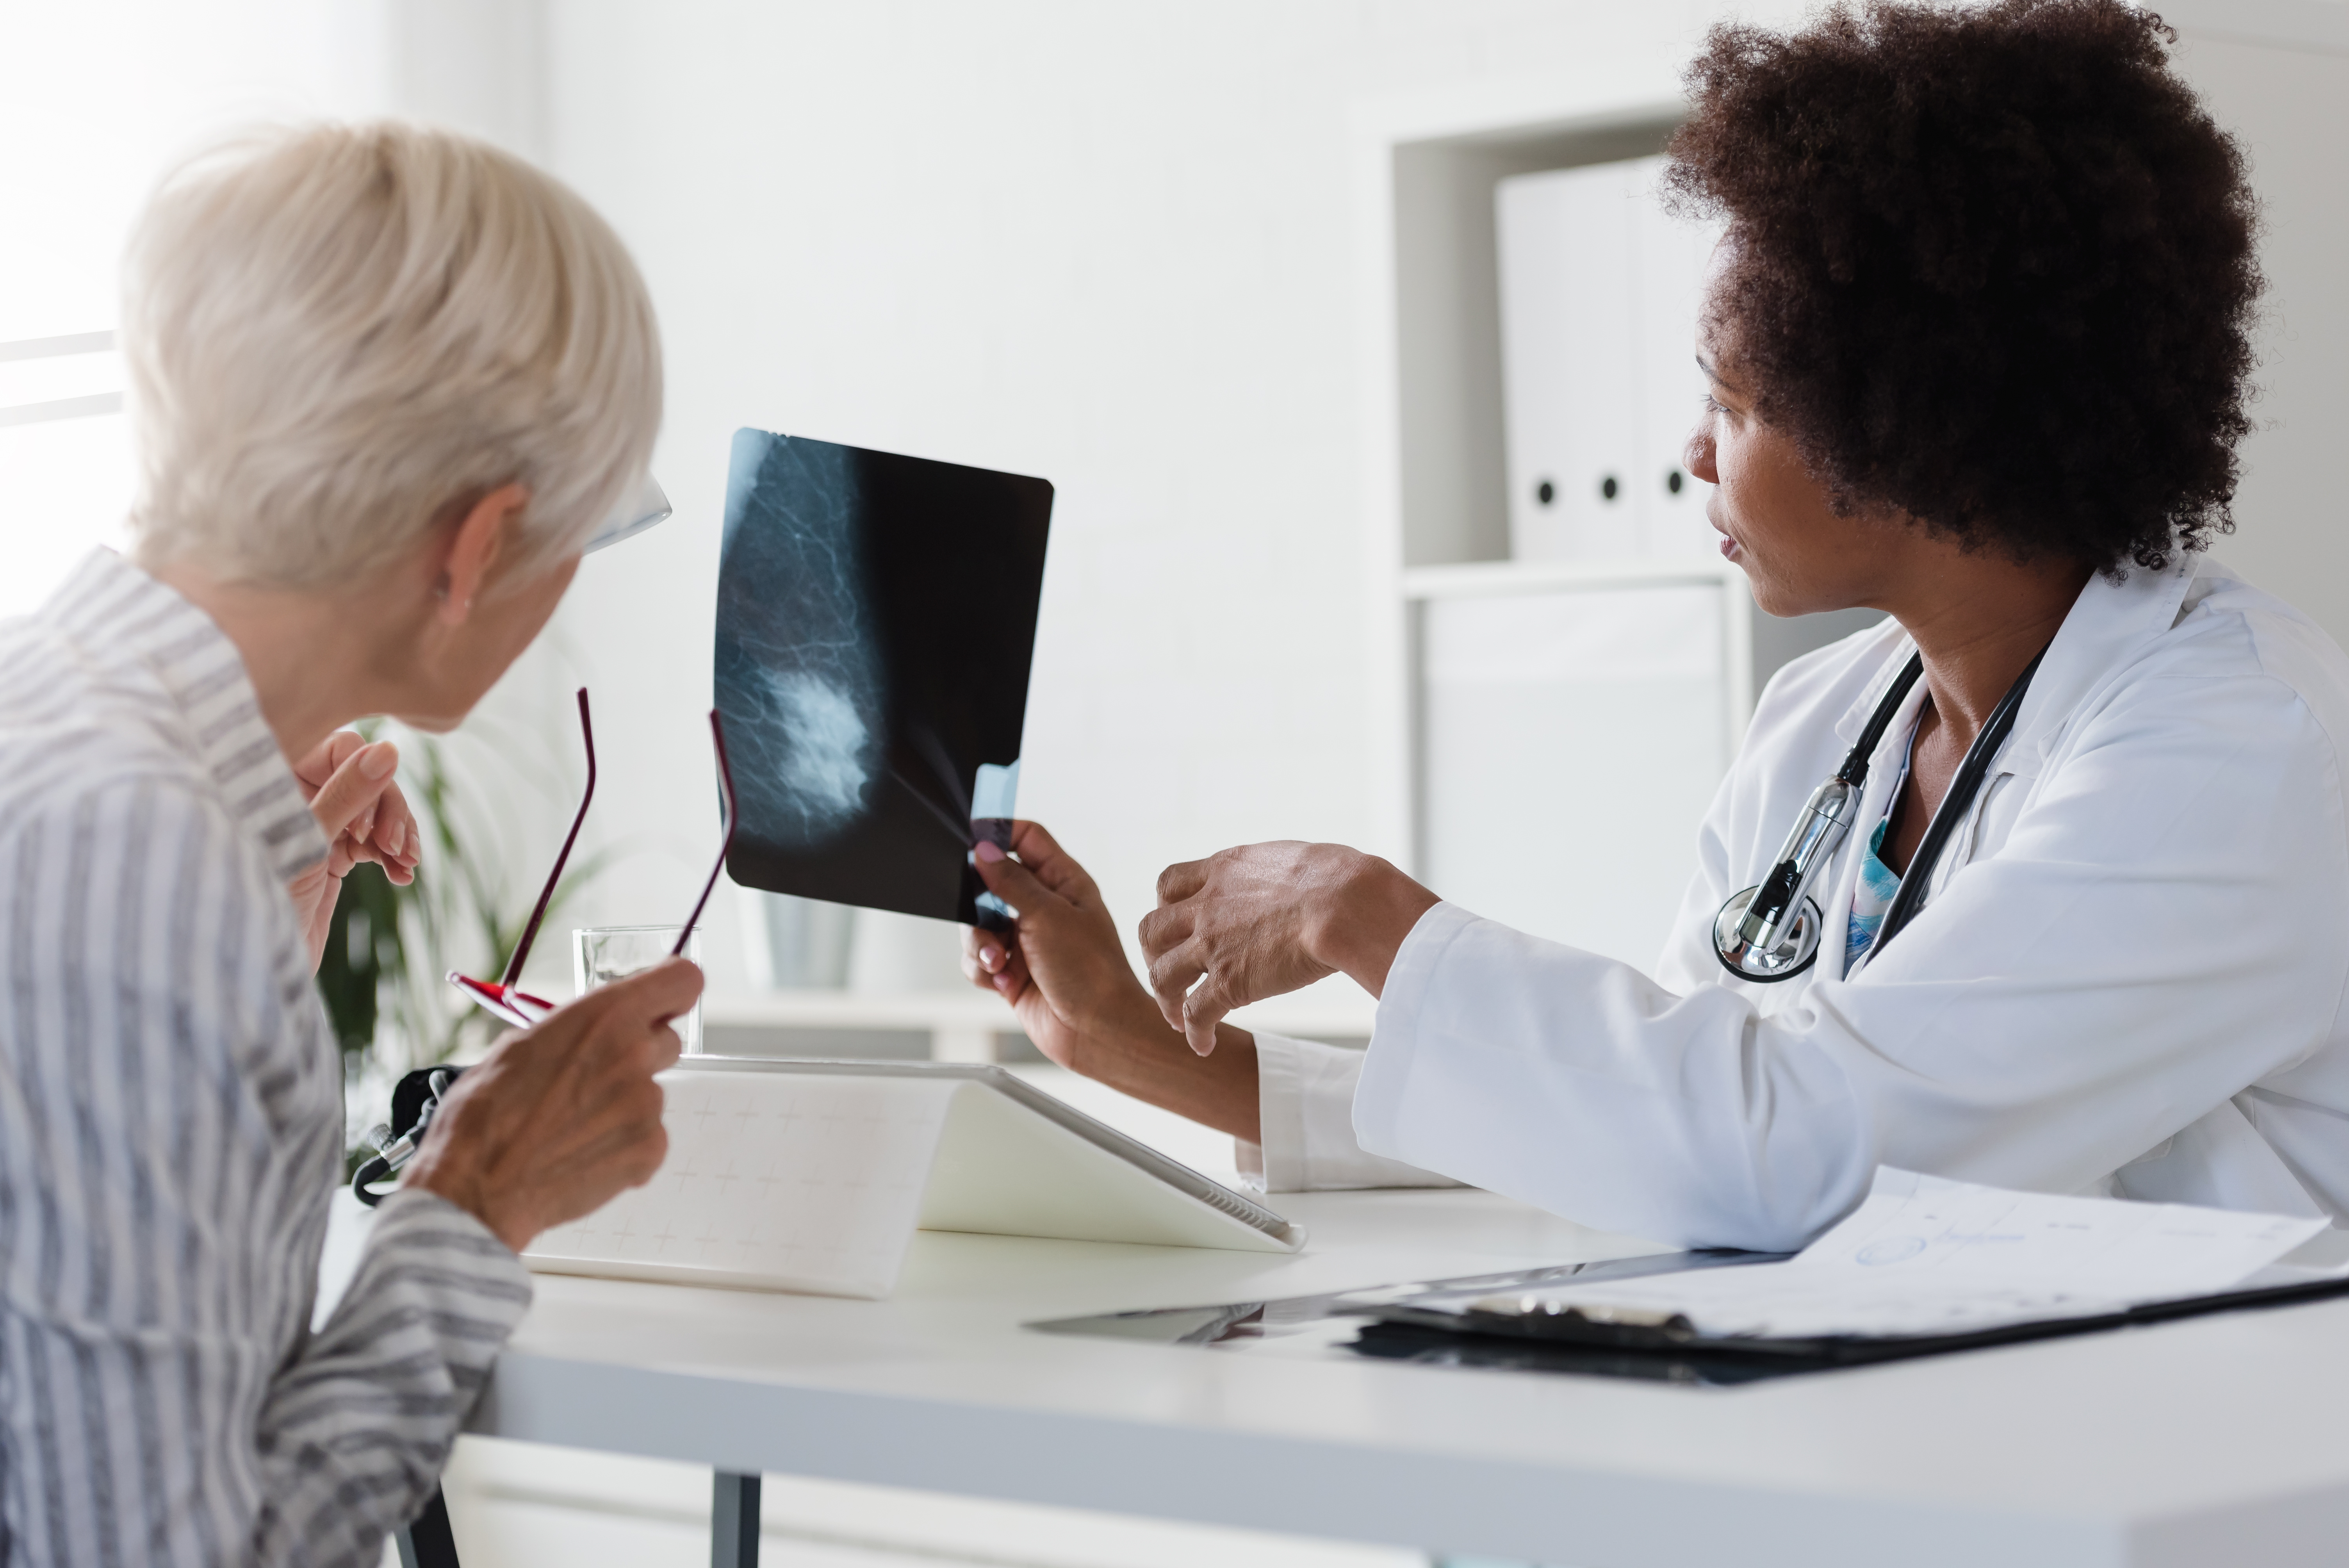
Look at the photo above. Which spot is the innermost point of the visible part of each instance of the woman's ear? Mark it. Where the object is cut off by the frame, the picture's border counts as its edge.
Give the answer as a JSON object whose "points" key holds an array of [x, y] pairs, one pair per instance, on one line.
{"points": [[473, 550]]}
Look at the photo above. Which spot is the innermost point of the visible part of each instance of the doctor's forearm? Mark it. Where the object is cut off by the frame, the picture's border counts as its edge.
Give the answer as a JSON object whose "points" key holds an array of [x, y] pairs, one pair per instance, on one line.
{"points": [[1355, 920], [1361, 923], [1143, 1058]]}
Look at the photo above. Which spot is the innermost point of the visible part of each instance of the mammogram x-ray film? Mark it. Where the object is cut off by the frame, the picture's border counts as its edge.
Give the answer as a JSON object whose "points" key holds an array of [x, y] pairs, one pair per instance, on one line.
{"points": [[876, 615]]}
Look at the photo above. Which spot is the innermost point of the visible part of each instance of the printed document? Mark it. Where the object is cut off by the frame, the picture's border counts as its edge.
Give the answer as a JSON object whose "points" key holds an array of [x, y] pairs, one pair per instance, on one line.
{"points": [[1926, 1256]]}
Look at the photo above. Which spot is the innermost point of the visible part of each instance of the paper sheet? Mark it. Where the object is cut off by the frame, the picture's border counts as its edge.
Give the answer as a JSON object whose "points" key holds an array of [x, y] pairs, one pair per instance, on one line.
{"points": [[1928, 1256], [777, 1181]]}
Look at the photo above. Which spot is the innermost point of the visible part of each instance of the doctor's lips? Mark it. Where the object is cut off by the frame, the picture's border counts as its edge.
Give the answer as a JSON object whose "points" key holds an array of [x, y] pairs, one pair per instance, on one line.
{"points": [[1729, 549]]}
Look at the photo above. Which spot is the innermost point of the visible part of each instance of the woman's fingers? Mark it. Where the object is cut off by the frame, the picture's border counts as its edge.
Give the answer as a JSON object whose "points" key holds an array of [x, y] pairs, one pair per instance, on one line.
{"points": [[561, 1116], [1165, 929], [350, 783], [996, 963], [635, 1017], [1180, 880], [395, 833], [1204, 1007], [1009, 881], [329, 754], [1173, 973], [350, 794], [1013, 980], [986, 956], [1052, 865], [1177, 957]]}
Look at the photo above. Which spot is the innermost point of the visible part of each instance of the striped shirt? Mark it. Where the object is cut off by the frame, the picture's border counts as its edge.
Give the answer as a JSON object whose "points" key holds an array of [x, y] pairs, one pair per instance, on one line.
{"points": [[170, 1133]]}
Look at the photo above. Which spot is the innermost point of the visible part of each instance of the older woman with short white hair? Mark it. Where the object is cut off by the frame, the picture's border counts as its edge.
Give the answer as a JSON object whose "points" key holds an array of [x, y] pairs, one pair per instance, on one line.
{"points": [[386, 385]]}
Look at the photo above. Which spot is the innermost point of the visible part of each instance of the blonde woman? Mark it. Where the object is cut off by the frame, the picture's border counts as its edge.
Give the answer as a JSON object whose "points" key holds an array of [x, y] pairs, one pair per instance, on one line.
{"points": [[386, 385]]}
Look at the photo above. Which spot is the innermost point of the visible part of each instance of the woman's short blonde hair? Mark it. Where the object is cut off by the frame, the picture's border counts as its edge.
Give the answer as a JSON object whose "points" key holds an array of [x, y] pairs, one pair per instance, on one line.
{"points": [[337, 334]]}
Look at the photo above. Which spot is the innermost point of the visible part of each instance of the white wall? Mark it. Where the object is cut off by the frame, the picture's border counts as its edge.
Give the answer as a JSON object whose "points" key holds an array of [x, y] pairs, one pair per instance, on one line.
{"points": [[101, 97], [2289, 108]]}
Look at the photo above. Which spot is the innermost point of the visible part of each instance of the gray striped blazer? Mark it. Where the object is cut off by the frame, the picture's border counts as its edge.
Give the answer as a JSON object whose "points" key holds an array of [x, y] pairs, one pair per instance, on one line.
{"points": [[170, 1133]]}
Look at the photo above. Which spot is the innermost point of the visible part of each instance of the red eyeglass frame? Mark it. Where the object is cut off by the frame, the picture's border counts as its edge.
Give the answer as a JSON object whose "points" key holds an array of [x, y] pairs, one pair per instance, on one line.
{"points": [[503, 998]]}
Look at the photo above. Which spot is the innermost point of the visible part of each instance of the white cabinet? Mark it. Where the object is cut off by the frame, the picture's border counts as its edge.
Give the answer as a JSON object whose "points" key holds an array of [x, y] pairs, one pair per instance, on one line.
{"points": [[1599, 295], [1571, 735]]}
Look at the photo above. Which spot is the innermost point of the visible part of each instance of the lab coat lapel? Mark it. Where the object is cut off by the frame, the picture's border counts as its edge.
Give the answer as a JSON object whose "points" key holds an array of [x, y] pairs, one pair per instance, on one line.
{"points": [[2108, 621]]}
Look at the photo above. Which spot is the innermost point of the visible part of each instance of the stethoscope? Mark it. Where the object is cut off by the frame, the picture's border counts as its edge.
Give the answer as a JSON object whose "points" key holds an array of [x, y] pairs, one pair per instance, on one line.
{"points": [[1771, 931]]}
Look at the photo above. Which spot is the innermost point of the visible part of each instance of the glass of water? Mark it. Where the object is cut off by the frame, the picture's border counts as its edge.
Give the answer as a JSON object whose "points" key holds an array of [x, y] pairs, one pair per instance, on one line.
{"points": [[602, 954]]}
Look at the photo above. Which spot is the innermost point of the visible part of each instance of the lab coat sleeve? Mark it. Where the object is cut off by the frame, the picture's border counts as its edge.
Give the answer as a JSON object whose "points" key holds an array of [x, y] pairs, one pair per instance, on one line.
{"points": [[2167, 922], [1305, 1097]]}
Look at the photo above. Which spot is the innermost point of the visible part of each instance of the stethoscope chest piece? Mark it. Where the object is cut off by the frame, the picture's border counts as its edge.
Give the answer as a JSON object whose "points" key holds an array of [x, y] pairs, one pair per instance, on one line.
{"points": [[1796, 948]]}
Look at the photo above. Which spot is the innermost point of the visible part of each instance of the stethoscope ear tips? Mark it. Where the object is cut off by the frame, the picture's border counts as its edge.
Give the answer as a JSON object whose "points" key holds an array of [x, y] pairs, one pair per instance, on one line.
{"points": [[1796, 951]]}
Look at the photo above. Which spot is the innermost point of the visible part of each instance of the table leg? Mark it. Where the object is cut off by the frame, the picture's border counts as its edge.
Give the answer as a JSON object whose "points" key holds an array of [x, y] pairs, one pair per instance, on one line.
{"points": [[734, 1521], [426, 1541]]}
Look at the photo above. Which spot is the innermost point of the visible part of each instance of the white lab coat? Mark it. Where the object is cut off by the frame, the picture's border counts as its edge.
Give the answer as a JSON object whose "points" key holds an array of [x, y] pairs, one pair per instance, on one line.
{"points": [[2130, 979]]}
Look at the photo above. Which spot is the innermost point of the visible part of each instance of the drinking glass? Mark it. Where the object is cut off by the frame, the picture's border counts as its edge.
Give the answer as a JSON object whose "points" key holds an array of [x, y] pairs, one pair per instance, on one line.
{"points": [[602, 954]]}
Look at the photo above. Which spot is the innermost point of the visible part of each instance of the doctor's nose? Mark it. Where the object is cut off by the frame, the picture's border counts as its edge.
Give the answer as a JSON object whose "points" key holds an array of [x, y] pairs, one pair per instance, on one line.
{"points": [[1697, 456]]}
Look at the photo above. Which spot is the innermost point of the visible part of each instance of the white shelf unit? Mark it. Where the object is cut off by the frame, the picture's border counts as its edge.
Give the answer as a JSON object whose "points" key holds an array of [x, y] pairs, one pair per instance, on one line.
{"points": [[1572, 720], [1476, 580], [1599, 289]]}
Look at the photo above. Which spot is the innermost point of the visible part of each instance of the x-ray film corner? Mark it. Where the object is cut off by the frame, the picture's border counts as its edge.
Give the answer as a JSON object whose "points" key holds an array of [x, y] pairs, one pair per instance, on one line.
{"points": [[996, 791], [993, 799]]}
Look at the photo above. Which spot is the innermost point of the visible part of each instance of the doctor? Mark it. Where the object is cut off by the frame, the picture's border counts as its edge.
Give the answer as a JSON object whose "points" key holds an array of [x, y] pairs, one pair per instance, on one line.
{"points": [[1976, 356]]}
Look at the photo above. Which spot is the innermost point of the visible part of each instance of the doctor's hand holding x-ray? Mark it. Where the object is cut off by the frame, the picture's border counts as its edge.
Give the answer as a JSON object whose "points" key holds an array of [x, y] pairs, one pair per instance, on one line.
{"points": [[2042, 883]]}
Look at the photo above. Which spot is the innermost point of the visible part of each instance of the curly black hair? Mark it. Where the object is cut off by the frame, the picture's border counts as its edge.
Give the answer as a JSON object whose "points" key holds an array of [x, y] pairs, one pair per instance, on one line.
{"points": [[1995, 268]]}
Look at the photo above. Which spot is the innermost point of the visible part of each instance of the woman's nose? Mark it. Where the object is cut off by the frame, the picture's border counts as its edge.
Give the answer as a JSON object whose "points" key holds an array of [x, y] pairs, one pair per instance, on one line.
{"points": [[1697, 456]]}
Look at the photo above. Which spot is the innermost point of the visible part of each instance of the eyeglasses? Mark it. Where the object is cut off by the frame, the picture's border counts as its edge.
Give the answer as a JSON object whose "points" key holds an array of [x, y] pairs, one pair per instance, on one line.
{"points": [[642, 509], [503, 997]]}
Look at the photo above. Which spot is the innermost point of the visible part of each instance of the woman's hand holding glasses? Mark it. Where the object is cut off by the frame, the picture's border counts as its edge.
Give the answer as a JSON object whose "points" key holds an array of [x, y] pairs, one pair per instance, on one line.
{"points": [[558, 1119]]}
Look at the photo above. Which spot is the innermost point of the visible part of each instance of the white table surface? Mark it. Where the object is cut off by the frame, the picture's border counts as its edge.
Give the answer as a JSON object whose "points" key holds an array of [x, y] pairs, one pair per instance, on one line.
{"points": [[2221, 1440]]}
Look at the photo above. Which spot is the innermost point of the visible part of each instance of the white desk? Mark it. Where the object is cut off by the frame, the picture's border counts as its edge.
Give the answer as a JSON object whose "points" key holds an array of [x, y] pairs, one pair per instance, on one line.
{"points": [[2220, 1441]]}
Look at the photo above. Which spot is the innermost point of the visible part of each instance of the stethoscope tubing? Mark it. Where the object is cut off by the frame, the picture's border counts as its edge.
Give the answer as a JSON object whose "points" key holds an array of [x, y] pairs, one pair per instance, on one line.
{"points": [[1790, 881], [1971, 774]]}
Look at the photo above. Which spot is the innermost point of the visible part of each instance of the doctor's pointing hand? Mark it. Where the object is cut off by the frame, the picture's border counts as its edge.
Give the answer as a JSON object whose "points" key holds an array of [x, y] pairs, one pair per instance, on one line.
{"points": [[1265, 919], [2041, 883]]}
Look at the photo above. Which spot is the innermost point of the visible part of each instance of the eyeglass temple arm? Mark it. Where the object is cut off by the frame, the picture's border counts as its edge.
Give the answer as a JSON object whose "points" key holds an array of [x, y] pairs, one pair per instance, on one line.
{"points": [[725, 844], [546, 893]]}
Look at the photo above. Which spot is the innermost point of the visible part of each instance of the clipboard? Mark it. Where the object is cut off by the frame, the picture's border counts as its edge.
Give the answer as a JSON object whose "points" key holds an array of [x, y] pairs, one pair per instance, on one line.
{"points": [[1411, 1330], [1427, 1324]]}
